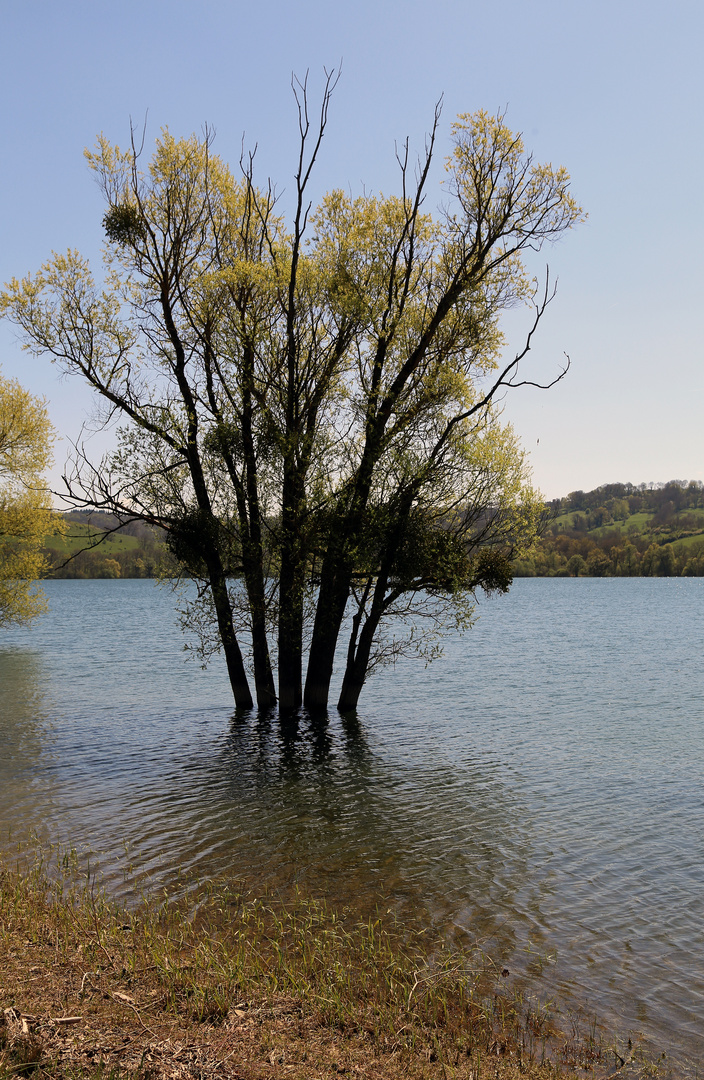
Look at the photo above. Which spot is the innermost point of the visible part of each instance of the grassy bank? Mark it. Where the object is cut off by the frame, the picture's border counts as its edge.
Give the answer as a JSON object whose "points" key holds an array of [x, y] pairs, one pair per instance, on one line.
{"points": [[230, 986]]}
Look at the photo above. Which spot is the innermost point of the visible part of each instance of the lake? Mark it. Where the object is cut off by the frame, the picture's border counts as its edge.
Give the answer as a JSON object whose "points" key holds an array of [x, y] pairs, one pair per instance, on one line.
{"points": [[540, 787]]}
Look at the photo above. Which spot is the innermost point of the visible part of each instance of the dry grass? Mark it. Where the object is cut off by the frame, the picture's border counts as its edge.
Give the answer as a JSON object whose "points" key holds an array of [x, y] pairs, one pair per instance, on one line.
{"points": [[230, 986]]}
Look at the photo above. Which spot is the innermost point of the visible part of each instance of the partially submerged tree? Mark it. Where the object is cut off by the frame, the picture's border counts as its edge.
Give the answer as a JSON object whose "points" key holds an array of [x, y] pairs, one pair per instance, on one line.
{"points": [[310, 409], [26, 438]]}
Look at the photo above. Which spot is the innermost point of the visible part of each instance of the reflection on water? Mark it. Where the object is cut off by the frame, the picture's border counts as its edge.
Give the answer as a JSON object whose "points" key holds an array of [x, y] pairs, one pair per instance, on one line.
{"points": [[363, 830], [25, 733], [540, 787]]}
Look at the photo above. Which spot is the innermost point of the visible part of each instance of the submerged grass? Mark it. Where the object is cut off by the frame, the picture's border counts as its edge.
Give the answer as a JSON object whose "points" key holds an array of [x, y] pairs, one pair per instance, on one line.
{"points": [[222, 984]]}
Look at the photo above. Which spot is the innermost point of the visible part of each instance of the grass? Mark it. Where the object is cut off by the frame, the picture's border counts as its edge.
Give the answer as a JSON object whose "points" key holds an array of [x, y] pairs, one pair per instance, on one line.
{"points": [[232, 986], [640, 524], [80, 536], [689, 541]]}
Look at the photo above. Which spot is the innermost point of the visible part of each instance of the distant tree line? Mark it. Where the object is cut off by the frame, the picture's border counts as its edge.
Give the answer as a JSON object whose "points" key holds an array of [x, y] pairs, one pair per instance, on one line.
{"points": [[602, 537], [611, 555], [147, 561], [616, 530]]}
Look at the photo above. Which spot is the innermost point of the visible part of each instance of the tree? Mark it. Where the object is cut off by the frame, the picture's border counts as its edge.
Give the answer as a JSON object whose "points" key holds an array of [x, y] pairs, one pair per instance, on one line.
{"points": [[577, 566], [26, 438], [310, 408]]}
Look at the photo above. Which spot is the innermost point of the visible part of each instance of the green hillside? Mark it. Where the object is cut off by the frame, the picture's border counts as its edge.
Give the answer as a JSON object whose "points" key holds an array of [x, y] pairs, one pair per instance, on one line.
{"points": [[89, 548], [615, 530], [79, 536], [622, 530]]}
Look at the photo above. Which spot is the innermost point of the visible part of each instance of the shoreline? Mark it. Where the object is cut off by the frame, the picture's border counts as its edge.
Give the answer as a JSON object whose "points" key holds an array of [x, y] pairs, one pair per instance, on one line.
{"points": [[228, 985]]}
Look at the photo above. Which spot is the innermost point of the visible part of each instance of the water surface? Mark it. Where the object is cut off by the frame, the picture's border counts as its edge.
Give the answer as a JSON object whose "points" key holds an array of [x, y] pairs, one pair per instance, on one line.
{"points": [[539, 787]]}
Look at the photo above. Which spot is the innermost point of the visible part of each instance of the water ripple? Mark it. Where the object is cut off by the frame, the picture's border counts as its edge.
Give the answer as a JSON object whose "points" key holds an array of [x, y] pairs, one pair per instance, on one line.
{"points": [[539, 787]]}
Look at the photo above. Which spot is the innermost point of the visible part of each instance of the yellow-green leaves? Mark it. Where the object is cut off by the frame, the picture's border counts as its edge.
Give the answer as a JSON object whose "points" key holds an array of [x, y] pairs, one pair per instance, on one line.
{"points": [[25, 435], [26, 438], [284, 384], [504, 198], [64, 314]]}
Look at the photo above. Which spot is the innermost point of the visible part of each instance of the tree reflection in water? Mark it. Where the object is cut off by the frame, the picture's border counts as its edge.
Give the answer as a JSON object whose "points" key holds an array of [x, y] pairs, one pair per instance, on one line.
{"points": [[319, 809], [26, 739]]}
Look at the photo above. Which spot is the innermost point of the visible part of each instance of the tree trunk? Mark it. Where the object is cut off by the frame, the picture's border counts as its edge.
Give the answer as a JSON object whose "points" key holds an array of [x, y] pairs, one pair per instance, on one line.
{"points": [[290, 640], [252, 548], [352, 684], [263, 675], [233, 656], [211, 554], [360, 647], [330, 611], [355, 674], [357, 665], [336, 579], [291, 578]]}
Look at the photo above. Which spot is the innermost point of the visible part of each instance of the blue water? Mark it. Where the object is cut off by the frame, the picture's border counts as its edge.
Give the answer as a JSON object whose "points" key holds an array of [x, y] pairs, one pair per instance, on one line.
{"points": [[540, 787]]}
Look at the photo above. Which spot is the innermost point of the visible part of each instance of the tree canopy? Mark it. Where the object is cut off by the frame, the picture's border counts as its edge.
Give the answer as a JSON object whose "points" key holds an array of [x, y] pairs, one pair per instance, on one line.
{"points": [[26, 438], [310, 407]]}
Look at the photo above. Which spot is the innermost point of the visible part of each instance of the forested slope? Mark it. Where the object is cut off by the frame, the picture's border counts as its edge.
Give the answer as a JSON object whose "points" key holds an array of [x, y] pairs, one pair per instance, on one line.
{"points": [[622, 530], [619, 530]]}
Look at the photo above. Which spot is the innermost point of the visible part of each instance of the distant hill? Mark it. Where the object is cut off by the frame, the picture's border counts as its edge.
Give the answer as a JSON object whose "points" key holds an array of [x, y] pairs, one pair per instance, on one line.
{"points": [[622, 530], [92, 548]]}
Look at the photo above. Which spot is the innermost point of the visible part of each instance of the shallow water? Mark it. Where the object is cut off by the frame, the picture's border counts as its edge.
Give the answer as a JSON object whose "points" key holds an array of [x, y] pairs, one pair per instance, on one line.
{"points": [[540, 787]]}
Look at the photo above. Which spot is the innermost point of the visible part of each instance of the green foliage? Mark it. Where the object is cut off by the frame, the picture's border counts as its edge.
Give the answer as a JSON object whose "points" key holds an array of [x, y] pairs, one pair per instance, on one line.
{"points": [[189, 536], [623, 531], [123, 225], [26, 438], [310, 405], [493, 571]]}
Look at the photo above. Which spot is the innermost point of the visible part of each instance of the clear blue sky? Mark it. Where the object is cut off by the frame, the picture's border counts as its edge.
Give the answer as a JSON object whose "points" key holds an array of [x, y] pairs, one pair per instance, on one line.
{"points": [[612, 90]]}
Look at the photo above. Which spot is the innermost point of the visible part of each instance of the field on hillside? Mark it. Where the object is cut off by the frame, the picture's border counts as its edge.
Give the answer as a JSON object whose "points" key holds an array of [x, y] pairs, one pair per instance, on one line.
{"points": [[615, 530], [622, 530], [80, 536], [91, 549]]}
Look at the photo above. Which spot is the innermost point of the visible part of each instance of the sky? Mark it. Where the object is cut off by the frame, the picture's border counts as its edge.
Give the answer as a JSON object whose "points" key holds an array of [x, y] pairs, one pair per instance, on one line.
{"points": [[611, 89]]}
